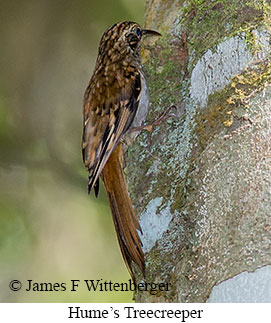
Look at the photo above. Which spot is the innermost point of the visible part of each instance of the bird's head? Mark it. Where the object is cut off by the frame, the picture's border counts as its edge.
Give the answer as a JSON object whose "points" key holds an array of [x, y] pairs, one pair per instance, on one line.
{"points": [[124, 39]]}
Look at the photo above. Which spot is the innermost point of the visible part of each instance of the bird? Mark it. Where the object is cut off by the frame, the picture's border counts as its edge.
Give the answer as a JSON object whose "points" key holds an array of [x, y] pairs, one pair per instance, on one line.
{"points": [[113, 100]]}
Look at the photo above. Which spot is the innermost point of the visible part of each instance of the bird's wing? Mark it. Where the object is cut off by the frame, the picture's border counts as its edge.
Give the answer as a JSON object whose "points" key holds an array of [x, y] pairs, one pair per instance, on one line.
{"points": [[107, 115]]}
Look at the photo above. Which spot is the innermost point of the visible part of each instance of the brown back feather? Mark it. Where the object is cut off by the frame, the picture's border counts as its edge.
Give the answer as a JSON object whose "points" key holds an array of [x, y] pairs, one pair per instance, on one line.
{"points": [[104, 126]]}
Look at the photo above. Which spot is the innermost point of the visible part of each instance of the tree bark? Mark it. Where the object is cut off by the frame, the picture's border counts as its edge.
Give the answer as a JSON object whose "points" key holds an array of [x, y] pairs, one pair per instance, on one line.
{"points": [[202, 190]]}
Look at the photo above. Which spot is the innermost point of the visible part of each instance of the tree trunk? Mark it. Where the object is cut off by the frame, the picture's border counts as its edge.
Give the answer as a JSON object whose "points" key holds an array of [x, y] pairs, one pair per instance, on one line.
{"points": [[202, 190]]}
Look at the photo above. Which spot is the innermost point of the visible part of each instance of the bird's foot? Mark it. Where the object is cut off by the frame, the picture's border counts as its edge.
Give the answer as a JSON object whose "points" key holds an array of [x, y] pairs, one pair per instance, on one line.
{"points": [[167, 113]]}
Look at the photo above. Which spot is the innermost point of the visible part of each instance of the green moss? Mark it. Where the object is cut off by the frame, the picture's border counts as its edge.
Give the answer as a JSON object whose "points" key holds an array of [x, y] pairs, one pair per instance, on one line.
{"points": [[167, 73], [179, 161], [225, 107], [165, 86], [252, 80], [250, 40], [163, 74], [207, 22]]}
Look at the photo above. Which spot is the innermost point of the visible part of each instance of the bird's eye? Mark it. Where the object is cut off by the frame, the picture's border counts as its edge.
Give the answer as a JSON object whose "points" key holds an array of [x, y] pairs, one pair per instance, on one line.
{"points": [[133, 40], [138, 31]]}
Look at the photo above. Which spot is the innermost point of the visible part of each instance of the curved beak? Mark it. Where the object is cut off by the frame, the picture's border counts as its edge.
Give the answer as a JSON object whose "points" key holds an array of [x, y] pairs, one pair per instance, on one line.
{"points": [[150, 32]]}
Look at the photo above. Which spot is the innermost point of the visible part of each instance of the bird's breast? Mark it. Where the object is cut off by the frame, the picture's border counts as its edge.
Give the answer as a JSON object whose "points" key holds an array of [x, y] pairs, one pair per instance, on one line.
{"points": [[143, 105]]}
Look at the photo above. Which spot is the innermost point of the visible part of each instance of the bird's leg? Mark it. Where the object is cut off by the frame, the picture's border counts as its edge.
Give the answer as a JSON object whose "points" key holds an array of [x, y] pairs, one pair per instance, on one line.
{"points": [[156, 122]]}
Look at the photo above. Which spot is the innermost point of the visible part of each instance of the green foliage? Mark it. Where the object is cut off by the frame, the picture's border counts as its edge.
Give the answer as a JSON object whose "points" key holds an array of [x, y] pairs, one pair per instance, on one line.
{"points": [[51, 230]]}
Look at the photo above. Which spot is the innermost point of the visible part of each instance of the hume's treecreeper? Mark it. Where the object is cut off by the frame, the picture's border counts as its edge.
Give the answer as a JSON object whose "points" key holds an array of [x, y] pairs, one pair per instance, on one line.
{"points": [[112, 100]]}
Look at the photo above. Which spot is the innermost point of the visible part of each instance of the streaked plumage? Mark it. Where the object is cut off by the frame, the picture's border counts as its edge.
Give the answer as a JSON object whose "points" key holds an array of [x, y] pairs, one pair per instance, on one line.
{"points": [[111, 101]]}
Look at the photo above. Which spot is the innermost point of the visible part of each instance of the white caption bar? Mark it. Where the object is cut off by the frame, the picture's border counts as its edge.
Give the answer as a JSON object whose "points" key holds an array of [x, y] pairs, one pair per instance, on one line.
{"points": [[122, 312]]}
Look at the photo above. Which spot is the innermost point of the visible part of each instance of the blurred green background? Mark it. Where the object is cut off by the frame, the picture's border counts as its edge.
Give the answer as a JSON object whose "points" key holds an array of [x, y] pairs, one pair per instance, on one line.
{"points": [[50, 229]]}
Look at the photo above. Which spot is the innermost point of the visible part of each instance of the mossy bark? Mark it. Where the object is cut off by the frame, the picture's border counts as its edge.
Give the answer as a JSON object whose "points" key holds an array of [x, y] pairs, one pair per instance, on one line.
{"points": [[202, 189]]}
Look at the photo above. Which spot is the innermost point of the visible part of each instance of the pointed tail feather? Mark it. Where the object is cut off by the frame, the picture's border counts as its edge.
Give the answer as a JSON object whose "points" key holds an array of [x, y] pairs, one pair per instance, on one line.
{"points": [[125, 220]]}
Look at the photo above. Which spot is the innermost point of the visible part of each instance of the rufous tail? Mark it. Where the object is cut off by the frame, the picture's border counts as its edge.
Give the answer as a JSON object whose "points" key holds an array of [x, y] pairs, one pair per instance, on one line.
{"points": [[125, 220]]}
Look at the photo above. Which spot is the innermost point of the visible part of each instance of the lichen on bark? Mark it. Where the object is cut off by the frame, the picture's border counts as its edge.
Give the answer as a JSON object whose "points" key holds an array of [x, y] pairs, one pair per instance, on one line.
{"points": [[205, 180]]}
